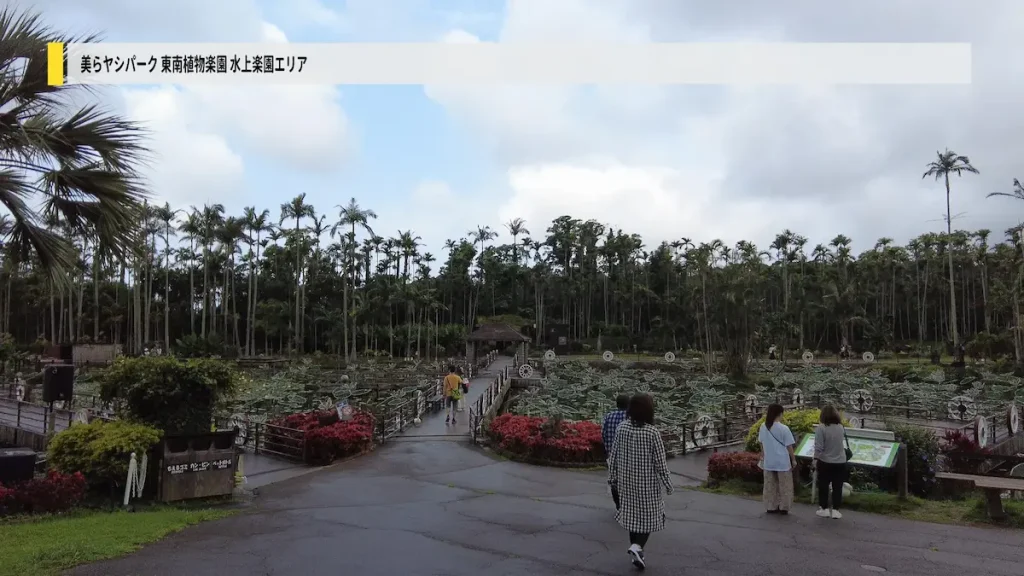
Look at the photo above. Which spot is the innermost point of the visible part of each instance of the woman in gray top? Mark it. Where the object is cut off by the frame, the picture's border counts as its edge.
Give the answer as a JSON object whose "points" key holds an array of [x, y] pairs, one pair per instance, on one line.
{"points": [[830, 462]]}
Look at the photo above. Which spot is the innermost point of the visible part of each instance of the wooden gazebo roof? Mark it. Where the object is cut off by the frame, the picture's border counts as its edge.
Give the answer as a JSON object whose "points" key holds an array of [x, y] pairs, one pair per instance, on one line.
{"points": [[496, 333]]}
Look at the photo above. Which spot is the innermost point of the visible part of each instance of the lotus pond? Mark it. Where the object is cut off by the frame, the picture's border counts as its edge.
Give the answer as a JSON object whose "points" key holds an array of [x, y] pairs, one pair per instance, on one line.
{"points": [[584, 390]]}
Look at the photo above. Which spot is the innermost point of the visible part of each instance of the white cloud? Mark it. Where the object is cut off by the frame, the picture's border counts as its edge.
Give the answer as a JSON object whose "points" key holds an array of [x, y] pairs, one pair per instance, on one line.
{"points": [[189, 166], [200, 133], [710, 162]]}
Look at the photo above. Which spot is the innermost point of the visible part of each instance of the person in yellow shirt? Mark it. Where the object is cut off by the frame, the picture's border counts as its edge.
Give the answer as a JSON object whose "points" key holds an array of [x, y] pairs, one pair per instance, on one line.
{"points": [[452, 390]]}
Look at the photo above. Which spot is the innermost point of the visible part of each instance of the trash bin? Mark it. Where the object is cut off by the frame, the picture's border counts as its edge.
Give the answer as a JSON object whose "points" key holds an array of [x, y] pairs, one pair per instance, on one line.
{"points": [[197, 465]]}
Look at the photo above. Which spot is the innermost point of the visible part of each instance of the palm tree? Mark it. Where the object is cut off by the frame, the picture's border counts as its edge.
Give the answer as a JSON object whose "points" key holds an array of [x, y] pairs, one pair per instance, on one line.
{"points": [[192, 228], [75, 162], [211, 221], [166, 215], [297, 209], [256, 224], [947, 163], [352, 216]]}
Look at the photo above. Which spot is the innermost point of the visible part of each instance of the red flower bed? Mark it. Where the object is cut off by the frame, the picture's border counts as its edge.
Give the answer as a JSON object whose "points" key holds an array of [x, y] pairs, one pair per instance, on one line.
{"points": [[536, 438], [56, 492], [326, 436], [724, 466]]}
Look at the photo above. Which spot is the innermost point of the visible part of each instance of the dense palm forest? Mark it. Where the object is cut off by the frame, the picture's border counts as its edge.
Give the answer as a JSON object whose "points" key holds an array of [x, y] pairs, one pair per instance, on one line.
{"points": [[88, 256], [299, 280]]}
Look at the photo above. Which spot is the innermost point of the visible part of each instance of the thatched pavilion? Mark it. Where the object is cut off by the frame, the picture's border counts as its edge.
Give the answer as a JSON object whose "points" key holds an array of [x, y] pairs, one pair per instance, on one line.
{"points": [[496, 334]]}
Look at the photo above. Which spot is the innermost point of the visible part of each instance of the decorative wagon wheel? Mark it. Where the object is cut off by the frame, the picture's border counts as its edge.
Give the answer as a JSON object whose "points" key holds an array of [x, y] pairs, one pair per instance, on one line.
{"points": [[862, 400], [608, 356], [525, 371], [704, 431], [1013, 419], [856, 422], [82, 416], [670, 357], [549, 355], [807, 357], [981, 431], [19, 392], [797, 396], [867, 357], [242, 423], [961, 408], [750, 406]]}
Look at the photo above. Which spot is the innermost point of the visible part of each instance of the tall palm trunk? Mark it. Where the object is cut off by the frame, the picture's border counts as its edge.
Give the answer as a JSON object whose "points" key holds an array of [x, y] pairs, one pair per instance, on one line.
{"points": [[952, 282]]}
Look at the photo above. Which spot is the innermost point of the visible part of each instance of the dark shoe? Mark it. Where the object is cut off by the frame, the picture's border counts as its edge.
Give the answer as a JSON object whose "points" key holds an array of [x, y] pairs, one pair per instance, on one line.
{"points": [[447, 421], [773, 511], [783, 512], [454, 422]]}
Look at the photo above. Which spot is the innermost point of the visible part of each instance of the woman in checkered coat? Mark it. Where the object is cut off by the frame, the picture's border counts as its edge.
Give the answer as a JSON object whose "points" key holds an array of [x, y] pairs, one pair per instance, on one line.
{"points": [[637, 471]]}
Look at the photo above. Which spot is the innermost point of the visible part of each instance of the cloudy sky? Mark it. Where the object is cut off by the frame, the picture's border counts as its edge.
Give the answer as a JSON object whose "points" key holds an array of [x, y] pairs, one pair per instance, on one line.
{"points": [[667, 162]]}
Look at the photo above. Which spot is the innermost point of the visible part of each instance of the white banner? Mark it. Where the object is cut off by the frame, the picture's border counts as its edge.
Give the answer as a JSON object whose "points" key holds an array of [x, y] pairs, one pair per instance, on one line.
{"points": [[509, 63]]}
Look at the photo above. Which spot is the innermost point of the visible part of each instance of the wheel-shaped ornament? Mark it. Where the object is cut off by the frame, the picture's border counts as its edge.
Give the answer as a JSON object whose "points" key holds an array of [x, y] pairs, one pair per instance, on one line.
{"points": [[797, 396], [549, 355], [241, 423], [867, 357], [961, 408], [704, 431], [861, 400], [670, 357], [981, 431], [750, 406], [807, 357], [1013, 419], [525, 371], [608, 356]]}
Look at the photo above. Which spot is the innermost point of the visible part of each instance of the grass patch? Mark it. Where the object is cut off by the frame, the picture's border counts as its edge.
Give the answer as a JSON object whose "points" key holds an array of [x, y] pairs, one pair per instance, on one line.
{"points": [[970, 511], [49, 545]]}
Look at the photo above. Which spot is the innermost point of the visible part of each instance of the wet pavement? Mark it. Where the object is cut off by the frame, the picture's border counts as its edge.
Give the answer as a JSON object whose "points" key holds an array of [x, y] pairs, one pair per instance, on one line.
{"points": [[436, 507]]}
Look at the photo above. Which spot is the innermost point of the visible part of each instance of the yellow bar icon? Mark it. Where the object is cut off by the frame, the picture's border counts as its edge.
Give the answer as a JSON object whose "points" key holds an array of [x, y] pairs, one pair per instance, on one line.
{"points": [[55, 63]]}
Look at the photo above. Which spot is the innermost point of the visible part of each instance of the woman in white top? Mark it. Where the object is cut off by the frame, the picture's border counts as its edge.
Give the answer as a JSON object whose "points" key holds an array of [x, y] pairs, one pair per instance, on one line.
{"points": [[778, 461]]}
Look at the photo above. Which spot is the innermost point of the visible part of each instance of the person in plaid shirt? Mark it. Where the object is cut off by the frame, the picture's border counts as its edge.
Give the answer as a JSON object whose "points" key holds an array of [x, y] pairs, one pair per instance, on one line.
{"points": [[609, 426]]}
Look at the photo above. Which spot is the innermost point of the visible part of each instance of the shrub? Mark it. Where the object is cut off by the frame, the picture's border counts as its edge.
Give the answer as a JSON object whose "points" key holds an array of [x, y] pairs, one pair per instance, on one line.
{"points": [[327, 438], [724, 466], [101, 450], [556, 441], [800, 422], [175, 396], [922, 455], [956, 446], [56, 492]]}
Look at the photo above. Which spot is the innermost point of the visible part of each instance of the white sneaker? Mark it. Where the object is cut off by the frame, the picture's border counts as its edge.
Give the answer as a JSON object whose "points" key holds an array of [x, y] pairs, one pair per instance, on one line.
{"points": [[636, 556], [836, 515], [823, 513]]}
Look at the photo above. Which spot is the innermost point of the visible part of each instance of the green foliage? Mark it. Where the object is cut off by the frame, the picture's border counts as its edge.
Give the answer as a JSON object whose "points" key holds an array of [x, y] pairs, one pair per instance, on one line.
{"points": [[800, 422], [101, 450], [175, 396], [49, 546], [198, 346], [922, 456]]}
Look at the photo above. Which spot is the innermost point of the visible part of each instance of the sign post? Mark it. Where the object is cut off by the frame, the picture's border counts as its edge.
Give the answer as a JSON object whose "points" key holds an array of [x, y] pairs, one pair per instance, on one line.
{"points": [[344, 411], [871, 448]]}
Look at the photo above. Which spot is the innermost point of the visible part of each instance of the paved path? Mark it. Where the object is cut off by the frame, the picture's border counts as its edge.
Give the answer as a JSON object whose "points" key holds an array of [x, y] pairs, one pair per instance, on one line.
{"points": [[433, 424], [440, 508]]}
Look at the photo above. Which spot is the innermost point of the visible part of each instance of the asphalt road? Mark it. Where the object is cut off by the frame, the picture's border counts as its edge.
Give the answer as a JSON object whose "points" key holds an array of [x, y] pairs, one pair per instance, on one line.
{"points": [[435, 506], [439, 507]]}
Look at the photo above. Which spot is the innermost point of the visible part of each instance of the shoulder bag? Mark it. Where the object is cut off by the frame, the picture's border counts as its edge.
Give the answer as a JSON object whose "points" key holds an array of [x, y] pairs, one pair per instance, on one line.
{"points": [[849, 453]]}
